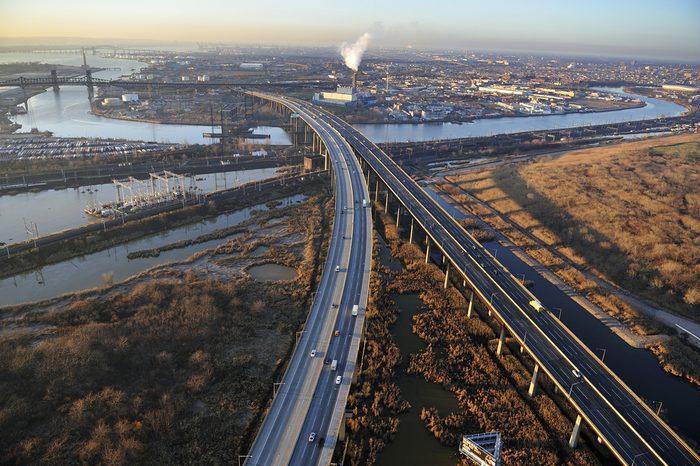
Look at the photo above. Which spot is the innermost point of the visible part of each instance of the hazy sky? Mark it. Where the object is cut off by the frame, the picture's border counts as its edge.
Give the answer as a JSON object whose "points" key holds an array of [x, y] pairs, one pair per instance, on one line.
{"points": [[642, 28]]}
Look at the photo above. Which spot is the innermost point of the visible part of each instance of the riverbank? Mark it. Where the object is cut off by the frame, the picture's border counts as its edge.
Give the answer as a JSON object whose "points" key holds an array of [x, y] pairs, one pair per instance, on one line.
{"points": [[461, 121], [99, 238], [174, 365]]}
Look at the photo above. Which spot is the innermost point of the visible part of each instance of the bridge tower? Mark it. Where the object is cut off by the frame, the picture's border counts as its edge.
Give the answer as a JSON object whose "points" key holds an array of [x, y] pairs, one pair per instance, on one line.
{"points": [[54, 80], [88, 82]]}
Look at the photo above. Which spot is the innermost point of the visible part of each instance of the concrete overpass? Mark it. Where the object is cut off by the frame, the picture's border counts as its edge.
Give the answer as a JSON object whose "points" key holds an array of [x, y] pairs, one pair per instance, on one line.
{"points": [[618, 417], [313, 393]]}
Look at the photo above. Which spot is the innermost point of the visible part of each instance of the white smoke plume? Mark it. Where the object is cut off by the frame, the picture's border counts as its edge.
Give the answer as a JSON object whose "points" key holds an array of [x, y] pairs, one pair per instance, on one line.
{"points": [[352, 53]]}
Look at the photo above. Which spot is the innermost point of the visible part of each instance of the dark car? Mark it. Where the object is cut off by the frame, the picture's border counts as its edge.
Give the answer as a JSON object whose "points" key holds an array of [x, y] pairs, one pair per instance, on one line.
{"points": [[327, 361], [321, 441]]}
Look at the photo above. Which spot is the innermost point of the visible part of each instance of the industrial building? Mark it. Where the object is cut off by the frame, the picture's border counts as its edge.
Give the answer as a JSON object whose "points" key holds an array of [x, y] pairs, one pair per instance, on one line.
{"points": [[680, 88], [130, 98], [344, 96]]}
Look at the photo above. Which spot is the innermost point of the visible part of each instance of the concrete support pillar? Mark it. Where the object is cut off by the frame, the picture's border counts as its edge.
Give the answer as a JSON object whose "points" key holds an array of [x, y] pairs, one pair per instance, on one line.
{"points": [[501, 340], [447, 276], [573, 440], [410, 235], [386, 202], [368, 173], [341, 431], [325, 161], [376, 190], [471, 305], [533, 382], [427, 250], [398, 216]]}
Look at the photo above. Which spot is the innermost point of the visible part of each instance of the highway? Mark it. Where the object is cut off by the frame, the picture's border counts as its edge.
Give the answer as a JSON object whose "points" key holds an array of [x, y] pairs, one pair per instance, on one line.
{"points": [[630, 429], [309, 399]]}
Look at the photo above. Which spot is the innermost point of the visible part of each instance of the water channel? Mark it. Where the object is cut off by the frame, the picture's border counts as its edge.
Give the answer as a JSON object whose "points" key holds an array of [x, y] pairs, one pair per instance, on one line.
{"points": [[86, 271], [57, 209], [638, 368], [413, 443]]}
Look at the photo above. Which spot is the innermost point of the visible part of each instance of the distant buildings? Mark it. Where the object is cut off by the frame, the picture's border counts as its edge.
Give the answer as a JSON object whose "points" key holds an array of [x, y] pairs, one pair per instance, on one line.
{"points": [[251, 66]]}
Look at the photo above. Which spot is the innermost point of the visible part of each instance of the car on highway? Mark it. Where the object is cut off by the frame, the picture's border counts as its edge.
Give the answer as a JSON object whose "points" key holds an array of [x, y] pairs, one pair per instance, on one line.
{"points": [[576, 373], [338, 379], [336, 333], [337, 268], [327, 361], [321, 441], [313, 353], [312, 436]]}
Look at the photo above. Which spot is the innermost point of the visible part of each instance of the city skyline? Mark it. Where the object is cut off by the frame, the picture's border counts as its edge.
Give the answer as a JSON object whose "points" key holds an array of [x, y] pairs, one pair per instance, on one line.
{"points": [[624, 29]]}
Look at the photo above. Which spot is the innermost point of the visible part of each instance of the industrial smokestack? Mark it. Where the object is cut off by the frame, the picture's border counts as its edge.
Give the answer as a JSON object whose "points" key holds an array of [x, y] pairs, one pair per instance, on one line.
{"points": [[354, 79]]}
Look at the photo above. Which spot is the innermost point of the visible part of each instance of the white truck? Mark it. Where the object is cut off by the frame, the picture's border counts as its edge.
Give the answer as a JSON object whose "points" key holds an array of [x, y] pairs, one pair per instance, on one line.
{"points": [[334, 364], [355, 310], [365, 203]]}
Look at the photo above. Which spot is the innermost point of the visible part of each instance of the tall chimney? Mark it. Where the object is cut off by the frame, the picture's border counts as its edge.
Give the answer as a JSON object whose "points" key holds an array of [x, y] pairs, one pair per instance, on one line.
{"points": [[354, 79]]}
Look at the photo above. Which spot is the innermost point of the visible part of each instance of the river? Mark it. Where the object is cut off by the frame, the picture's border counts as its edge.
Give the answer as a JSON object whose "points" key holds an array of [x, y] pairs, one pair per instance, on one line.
{"points": [[57, 209], [655, 108], [68, 114]]}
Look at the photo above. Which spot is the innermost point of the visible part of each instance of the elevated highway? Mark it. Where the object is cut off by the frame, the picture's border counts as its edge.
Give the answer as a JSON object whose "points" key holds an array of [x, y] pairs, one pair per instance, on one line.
{"points": [[620, 419], [314, 391]]}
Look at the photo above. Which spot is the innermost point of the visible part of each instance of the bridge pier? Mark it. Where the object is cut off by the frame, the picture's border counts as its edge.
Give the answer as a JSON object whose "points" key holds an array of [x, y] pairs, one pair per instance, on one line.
{"points": [[573, 440], [471, 305], [376, 191], [427, 249], [398, 216], [501, 341], [447, 276], [386, 202], [533, 382], [410, 235]]}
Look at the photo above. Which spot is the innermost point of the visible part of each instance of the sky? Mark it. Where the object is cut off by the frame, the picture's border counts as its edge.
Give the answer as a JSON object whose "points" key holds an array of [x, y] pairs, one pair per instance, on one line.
{"points": [[661, 29]]}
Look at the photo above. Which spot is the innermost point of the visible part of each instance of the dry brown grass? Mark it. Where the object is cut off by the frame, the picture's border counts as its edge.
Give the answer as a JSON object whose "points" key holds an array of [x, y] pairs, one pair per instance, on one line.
{"points": [[491, 391], [631, 212], [172, 371]]}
